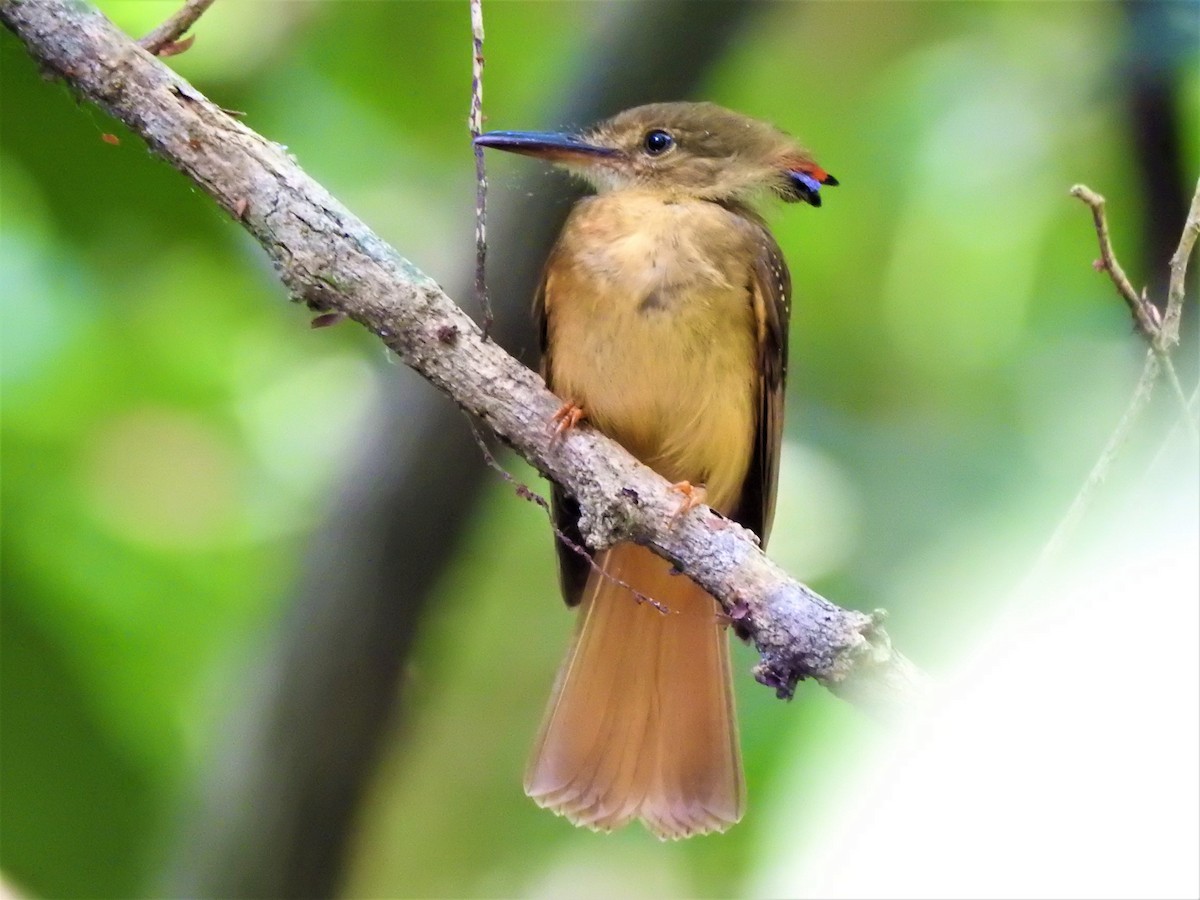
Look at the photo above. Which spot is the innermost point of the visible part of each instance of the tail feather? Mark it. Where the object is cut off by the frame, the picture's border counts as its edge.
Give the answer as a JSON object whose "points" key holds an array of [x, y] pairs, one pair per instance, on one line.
{"points": [[641, 723]]}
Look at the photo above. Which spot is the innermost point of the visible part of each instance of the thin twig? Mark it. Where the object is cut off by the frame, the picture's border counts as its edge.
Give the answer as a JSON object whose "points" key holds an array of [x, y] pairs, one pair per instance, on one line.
{"points": [[1161, 453], [1162, 333], [1179, 262], [1168, 335], [168, 33], [1180, 396], [476, 125], [525, 492], [1145, 316], [1098, 474]]}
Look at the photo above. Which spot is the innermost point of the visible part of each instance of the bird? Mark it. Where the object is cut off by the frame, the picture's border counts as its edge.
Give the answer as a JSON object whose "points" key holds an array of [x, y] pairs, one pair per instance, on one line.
{"points": [[663, 315]]}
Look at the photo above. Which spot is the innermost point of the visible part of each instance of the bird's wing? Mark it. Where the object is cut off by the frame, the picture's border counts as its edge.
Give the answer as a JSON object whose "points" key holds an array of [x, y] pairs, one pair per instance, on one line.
{"points": [[770, 293], [771, 299], [573, 566]]}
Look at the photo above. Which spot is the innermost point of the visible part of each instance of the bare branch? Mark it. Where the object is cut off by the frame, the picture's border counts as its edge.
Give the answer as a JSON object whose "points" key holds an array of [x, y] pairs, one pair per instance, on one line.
{"points": [[1173, 433], [1179, 263], [164, 40], [1162, 334], [330, 260], [1096, 477], [1145, 316], [1168, 334], [1181, 397]]}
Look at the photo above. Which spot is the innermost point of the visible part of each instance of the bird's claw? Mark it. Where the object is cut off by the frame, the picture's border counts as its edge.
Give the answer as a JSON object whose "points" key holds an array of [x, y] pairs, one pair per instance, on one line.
{"points": [[693, 495], [568, 416]]}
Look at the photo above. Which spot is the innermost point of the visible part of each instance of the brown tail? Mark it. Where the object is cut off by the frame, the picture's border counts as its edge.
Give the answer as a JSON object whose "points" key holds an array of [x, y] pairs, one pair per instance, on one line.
{"points": [[642, 723]]}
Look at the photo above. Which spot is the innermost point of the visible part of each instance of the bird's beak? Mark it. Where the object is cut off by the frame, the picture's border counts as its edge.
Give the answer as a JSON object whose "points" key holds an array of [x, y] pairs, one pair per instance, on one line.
{"points": [[549, 145]]}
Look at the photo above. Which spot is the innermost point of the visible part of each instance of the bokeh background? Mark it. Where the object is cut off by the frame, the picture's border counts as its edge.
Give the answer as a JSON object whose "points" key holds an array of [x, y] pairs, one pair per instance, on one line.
{"points": [[271, 628]]}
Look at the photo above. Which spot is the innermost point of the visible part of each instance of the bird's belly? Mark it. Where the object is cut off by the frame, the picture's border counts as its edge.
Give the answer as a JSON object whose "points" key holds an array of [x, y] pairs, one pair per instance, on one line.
{"points": [[672, 378]]}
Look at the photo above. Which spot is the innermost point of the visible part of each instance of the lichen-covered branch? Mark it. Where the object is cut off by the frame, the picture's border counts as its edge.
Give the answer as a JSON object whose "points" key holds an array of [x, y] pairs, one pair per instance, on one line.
{"points": [[330, 260]]}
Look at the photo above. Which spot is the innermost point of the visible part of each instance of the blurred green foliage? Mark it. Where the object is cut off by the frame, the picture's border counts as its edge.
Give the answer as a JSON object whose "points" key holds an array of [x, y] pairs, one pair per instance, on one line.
{"points": [[171, 428]]}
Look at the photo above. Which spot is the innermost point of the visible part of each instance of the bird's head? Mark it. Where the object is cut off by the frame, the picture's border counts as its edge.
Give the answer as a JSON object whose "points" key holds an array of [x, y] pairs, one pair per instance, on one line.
{"points": [[695, 150]]}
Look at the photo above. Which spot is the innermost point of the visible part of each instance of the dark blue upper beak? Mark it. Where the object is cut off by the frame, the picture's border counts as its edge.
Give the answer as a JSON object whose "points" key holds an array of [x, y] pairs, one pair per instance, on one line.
{"points": [[550, 145]]}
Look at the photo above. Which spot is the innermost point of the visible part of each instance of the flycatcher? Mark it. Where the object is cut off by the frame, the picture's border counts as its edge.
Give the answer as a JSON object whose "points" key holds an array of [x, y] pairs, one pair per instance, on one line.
{"points": [[663, 313]]}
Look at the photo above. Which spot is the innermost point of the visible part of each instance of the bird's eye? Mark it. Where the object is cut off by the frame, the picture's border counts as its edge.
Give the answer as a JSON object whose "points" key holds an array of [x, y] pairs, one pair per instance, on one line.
{"points": [[658, 142]]}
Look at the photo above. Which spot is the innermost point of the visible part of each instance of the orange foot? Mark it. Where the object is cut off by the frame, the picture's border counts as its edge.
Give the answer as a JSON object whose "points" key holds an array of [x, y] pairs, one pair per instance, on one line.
{"points": [[693, 496], [568, 416]]}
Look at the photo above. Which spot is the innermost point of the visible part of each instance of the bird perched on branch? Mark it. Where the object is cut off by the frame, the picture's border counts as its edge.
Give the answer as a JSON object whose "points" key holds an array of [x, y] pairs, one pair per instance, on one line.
{"points": [[663, 312]]}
